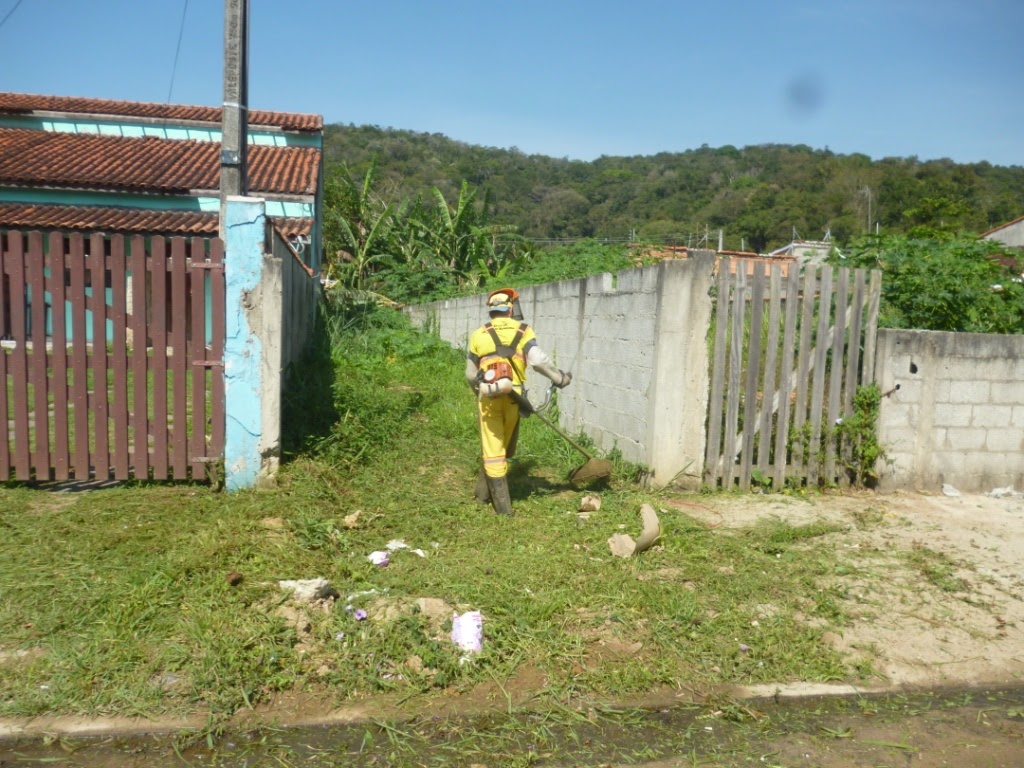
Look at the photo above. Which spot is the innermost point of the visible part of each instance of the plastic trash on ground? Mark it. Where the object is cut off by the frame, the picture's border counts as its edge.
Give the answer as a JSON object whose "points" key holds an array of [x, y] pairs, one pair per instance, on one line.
{"points": [[396, 544], [380, 558], [468, 631]]}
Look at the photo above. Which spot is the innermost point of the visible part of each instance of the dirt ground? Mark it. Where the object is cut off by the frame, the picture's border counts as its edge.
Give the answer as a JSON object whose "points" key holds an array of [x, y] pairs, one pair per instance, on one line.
{"points": [[935, 583]]}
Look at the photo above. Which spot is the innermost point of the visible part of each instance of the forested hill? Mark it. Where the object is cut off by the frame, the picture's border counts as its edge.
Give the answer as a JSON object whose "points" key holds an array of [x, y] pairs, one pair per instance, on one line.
{"points": [[761, 194]]}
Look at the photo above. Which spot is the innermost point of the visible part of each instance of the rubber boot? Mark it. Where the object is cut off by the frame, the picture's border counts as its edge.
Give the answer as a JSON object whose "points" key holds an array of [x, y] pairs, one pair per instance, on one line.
{"points": [[499, 495], [482, 492]]}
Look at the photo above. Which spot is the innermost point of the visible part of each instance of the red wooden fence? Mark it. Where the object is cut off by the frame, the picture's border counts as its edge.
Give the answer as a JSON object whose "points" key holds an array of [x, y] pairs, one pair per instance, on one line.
{"points": [[104, 375]]}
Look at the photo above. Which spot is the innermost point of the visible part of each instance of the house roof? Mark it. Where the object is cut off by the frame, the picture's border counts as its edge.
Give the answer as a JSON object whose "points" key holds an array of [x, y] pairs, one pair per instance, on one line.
{"points": [[148, 165], [746, 261], [27, 103], [1002, 226], [78, 218]]}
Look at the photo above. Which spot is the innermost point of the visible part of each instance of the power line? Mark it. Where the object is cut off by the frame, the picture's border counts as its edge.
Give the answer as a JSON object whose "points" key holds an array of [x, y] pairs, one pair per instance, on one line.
{"points": [[10, 13], [177, 50]]}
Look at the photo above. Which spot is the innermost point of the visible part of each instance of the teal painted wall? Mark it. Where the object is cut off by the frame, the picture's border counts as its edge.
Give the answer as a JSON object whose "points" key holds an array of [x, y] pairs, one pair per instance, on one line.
{"points": [[288, 208], [163, 131], [124, 200]]}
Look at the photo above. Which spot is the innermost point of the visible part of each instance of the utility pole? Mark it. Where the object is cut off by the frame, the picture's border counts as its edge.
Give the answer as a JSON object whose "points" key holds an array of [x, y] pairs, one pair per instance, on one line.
{"points": [[868, 194], [234, 177]]}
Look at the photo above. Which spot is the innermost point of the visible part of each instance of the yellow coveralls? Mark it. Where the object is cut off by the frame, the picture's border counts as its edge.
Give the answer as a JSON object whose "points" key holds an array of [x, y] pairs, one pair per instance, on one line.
{"points": [[499, 416]]}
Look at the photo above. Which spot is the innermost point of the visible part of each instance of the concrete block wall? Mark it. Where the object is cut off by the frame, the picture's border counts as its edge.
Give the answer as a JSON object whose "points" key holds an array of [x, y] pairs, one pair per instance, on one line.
{"points": [[300, 293], [636, 342], [953, 411]]}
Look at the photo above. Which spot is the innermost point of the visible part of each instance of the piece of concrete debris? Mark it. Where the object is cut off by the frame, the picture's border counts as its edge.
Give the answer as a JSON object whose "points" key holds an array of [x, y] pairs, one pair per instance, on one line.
{"points": [[171, 683], [590, 503], [434, 610], [296, 618], [310, 590], [949, 490], [1003, 493], [623, 545]]}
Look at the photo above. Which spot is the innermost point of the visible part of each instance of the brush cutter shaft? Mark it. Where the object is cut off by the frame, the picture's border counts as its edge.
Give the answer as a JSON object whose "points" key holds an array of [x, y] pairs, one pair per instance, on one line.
{"points": [[564, 436], [525, 404]]}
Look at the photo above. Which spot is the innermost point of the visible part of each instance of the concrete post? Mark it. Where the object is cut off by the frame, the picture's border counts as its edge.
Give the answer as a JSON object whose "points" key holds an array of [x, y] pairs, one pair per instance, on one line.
{"points": [[679, 396], [235, 116], [252, 350]]}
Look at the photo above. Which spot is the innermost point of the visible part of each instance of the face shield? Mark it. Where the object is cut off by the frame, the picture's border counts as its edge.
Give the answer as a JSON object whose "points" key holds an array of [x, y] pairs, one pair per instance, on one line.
{"points": [[503, 300]]}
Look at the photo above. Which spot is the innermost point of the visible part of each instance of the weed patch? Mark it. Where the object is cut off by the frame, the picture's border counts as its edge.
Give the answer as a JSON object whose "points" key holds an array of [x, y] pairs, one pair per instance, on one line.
{"points": [[937, 568]]}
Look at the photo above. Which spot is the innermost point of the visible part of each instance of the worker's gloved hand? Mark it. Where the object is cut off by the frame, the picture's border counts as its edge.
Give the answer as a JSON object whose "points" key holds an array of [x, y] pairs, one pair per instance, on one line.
{"points": [[566, 380]]}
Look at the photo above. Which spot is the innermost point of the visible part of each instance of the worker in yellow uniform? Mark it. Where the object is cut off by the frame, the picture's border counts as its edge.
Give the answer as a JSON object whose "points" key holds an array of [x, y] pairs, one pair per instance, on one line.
{"points": [[499, 352]]}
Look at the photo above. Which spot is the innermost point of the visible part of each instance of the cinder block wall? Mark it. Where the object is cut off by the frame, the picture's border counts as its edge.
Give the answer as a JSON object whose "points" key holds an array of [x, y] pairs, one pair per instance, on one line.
{"points": [[953, 411], [300, 292], [636, 343]]}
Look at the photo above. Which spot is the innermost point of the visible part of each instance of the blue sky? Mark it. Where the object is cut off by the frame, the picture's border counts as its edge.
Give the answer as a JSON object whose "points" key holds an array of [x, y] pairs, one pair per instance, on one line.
{"points": [[570, 78]]}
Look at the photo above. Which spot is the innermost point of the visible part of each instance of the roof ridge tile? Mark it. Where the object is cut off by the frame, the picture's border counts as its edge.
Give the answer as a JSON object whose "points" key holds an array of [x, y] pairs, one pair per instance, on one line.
{"points": [[23, 103]]}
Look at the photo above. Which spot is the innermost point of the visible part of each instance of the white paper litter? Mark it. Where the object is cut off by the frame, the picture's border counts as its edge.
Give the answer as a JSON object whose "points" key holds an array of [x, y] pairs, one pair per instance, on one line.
{"points": [[468, 631], [379, 558], [396, 544]]}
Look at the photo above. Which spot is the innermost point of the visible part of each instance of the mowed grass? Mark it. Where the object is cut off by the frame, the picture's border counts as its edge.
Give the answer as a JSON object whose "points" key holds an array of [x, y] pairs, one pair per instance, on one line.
{"points": [[118, 601]]}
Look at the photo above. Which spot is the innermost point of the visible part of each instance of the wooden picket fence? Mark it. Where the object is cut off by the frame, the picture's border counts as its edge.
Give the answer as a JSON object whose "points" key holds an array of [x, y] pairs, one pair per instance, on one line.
{"points": [[111, 357], [788, 356]]}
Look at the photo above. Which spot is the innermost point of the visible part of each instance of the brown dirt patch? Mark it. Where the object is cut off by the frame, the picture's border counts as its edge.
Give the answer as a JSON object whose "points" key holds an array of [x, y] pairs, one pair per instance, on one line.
{"points": [[933, 583]]}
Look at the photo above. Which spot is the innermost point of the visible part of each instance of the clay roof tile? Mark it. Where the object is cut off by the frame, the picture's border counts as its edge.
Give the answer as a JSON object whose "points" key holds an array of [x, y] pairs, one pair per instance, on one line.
{"points": [[149, 165], [27, 103]]}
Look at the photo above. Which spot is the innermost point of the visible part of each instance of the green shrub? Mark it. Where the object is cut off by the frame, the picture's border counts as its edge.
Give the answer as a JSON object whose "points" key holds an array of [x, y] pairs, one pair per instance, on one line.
{"points": [[938, 282]]}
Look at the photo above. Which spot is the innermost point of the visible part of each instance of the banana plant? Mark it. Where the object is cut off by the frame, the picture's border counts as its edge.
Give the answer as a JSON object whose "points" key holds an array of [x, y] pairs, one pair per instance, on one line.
{"points": [[357, 227]]}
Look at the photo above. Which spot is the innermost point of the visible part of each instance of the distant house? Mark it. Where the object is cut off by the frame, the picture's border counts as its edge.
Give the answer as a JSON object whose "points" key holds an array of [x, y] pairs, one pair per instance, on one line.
{"points": [[1010, 234], [805, 251], [97, 165], [731, 260]]}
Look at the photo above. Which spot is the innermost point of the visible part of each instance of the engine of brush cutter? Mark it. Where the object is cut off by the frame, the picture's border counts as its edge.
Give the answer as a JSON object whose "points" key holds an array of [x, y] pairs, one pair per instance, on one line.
{"points": [[495, 377]]}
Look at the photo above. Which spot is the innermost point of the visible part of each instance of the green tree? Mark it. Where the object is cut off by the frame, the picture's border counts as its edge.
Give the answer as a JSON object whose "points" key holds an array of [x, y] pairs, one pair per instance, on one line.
{"points": [[817, 190], [943, 283]]}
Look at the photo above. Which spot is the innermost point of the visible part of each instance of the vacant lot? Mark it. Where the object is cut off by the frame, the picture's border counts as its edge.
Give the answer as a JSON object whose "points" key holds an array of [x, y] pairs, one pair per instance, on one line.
{"points": [[934, 591]]}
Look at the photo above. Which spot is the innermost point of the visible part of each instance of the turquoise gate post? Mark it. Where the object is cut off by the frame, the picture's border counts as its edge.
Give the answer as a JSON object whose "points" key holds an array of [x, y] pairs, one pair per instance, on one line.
{"points": [[252, 348]]}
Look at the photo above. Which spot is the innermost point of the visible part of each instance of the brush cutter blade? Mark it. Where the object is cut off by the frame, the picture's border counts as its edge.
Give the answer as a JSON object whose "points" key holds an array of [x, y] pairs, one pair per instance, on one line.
{"points": [[595, 469]]}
